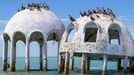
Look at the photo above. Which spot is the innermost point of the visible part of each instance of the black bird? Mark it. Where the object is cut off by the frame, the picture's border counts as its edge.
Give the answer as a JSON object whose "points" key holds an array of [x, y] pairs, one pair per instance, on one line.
{"points": [[46, 6], [105, 12], [28, 5], [18, 10], [38, 7], [22, 7], [94, 11], [85, 13], [71, 18], [114, 16], [109, 12], [92, 18], [81, 14], [90, 12]]}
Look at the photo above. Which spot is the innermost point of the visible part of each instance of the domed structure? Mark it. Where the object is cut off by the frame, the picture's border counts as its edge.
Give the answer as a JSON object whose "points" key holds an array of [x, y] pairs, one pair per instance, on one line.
{"points": [[32, 23], [97, 34], [28, 21]]}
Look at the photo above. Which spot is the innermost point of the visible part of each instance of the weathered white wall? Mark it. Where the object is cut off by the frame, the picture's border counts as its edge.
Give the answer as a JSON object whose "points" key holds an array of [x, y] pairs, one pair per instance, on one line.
{"points": [[101, 46]]}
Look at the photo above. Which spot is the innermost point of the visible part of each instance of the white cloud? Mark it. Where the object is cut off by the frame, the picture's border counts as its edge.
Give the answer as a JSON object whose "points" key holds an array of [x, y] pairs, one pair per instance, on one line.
{"points": [[3, 22]]}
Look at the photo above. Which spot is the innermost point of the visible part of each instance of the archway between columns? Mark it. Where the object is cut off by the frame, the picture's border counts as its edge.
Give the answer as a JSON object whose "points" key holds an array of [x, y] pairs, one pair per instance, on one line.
{"points": [[52, 50], [20, 55], [37, 55], [34, 56]]}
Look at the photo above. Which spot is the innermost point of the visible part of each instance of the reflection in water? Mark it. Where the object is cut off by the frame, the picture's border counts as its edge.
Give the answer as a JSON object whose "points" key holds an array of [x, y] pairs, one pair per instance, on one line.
{"points": [[55, 73]]}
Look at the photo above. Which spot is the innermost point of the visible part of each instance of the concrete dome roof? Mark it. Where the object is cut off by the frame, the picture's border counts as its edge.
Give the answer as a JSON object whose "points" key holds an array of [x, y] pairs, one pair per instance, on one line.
{"points": [[27, 21], [102, 24]]}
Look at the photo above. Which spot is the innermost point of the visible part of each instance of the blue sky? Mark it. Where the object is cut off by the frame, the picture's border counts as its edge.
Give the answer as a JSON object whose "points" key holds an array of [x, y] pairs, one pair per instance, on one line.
{"points": [[62, 8]]}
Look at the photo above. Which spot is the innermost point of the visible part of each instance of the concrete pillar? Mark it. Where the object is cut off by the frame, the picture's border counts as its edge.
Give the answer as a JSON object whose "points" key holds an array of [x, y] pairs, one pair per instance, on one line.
{"points": [[71, 61], [88, 64], [15, 54], [83, 64], [131, 65], [109, 40], [62, 63], [12, 57], [125, 63], [104, 68], [5, 55], [27, 62], [41, 64], [66, 68], [119, 64], [59, 57], [59, 63], [58, 48], [45, 56]]}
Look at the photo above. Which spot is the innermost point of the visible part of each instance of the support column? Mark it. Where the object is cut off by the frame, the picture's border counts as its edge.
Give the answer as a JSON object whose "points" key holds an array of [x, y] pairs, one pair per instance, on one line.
{"points": [[45, 56], [83, 64], [41, 64], [104, 68], [131, 65], [15, 54], [119, 64], [58, 55], [66, 68], [72, 61], [58, 49], [125, 63], [27, 56], [62, 63], [88, 64], [59, 63], [5, 55], [12, 57]]}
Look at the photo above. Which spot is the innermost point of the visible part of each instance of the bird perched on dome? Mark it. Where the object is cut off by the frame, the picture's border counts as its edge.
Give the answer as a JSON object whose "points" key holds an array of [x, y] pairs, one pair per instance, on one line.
{"points": [[85, 13], [22, 7], [71, 18], [81, 14], [90, 12]]}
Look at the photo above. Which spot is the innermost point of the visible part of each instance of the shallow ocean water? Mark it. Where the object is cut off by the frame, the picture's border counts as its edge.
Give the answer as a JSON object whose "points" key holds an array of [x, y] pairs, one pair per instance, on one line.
{"points": [[95, 66]]}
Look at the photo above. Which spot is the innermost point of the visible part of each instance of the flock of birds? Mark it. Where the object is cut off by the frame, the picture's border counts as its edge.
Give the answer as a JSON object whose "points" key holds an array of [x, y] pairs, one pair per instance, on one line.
{"points": [[99, 10], [33, 6]]}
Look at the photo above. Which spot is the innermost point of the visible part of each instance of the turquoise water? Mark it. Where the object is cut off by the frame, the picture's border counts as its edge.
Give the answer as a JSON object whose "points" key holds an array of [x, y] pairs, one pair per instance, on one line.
{"points": [[95, 66]]}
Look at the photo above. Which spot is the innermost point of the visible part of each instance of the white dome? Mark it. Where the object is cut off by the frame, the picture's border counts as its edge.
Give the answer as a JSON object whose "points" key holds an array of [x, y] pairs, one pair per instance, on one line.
{"points": [[99, 43], [27, 21]]}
